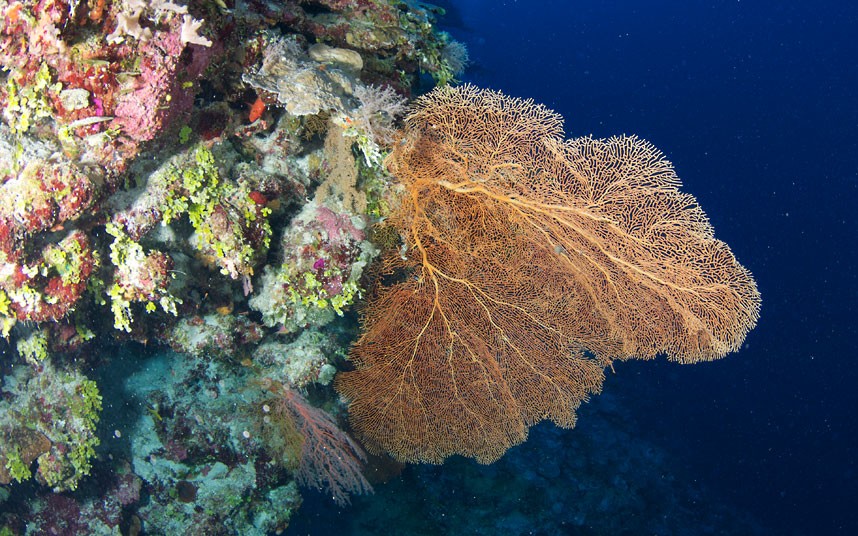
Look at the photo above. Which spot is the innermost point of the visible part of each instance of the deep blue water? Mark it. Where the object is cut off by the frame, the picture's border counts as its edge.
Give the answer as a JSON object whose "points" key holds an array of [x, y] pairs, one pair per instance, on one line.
{"points": [[755, 104]]}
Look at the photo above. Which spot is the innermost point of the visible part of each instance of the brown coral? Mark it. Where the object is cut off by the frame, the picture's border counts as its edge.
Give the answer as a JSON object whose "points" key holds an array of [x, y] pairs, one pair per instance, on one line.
{"points": [[529, 264]]}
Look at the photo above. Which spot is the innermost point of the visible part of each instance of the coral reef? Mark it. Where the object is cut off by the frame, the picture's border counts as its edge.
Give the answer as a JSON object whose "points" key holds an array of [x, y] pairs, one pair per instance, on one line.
{"points": [[49, 416], [215, 335], [306, 360], [138, 277], [324, 256], [199, 176], [202, 459], [300, 83]]}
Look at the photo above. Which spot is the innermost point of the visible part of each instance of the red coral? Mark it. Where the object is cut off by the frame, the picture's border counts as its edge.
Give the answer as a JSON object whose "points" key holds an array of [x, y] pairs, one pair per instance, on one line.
{"points": [[40, 216], [55, 193], [330, 459], [64, 296], [258, 198], [74, 193], [53, 296], [61, 515], [9, 241], [98, 79]]}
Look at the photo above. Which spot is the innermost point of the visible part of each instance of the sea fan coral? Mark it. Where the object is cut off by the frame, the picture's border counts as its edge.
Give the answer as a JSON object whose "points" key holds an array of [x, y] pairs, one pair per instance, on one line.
{"points": [[529, 264]]}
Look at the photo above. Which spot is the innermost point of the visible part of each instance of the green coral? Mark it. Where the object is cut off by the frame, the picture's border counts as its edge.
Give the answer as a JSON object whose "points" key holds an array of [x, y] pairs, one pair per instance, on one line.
{"points": [[34, 349], [308, 291], [128, 257], [185, 134], [123, 250], [64, 407], [27, 104], [203, 186], [346, 297], [67, 258], [18, 470], [198, 192], [77, 431], [121, 309], [25, 296], [7, 316], [375, 182], [85, 407], [439, 59], [83, 332], [81, 454], [4, 304]]}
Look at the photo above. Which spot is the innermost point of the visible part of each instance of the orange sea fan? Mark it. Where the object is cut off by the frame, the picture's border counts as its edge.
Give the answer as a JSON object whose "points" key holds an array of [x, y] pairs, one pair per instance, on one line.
{"points": [[531, 263]]}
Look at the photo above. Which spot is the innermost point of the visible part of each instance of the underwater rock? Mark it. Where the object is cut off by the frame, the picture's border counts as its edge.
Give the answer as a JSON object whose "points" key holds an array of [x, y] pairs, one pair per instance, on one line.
{"points": [[302, 85], [341, 57]]}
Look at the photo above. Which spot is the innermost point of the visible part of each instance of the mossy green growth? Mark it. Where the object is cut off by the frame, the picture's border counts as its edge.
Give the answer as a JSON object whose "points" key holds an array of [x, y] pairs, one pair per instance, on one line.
{"points": [[346, 297], [127, 255], [203, 185], [375, 182], [308, 291], [25, 296], [34, 349], [64, 407], [185, 134], [5, 302], [83, 332], [85, 407], [80, 456], [78, 433], [18, 470], [67, 259], [123, 251], [198, 191], [437, 62], [26, 105], [7, 316]]}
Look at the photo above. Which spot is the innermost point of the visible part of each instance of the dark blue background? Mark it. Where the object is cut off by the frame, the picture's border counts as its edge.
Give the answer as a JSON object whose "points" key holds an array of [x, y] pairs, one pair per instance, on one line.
{"points": [[755, 104]]}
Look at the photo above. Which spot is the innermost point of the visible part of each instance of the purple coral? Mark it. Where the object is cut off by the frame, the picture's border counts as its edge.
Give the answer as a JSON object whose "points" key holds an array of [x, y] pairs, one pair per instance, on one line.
{"points": [[160, 92], [338, 227]]}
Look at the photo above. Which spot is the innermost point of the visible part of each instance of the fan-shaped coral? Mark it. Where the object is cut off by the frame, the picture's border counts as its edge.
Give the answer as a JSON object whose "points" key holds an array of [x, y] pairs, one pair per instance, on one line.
{"points": [[529, 264]]}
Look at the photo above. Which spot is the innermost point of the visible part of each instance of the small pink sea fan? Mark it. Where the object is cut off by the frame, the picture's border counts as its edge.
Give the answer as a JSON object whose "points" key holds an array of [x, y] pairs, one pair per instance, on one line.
{"points": [[330, 459]]}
